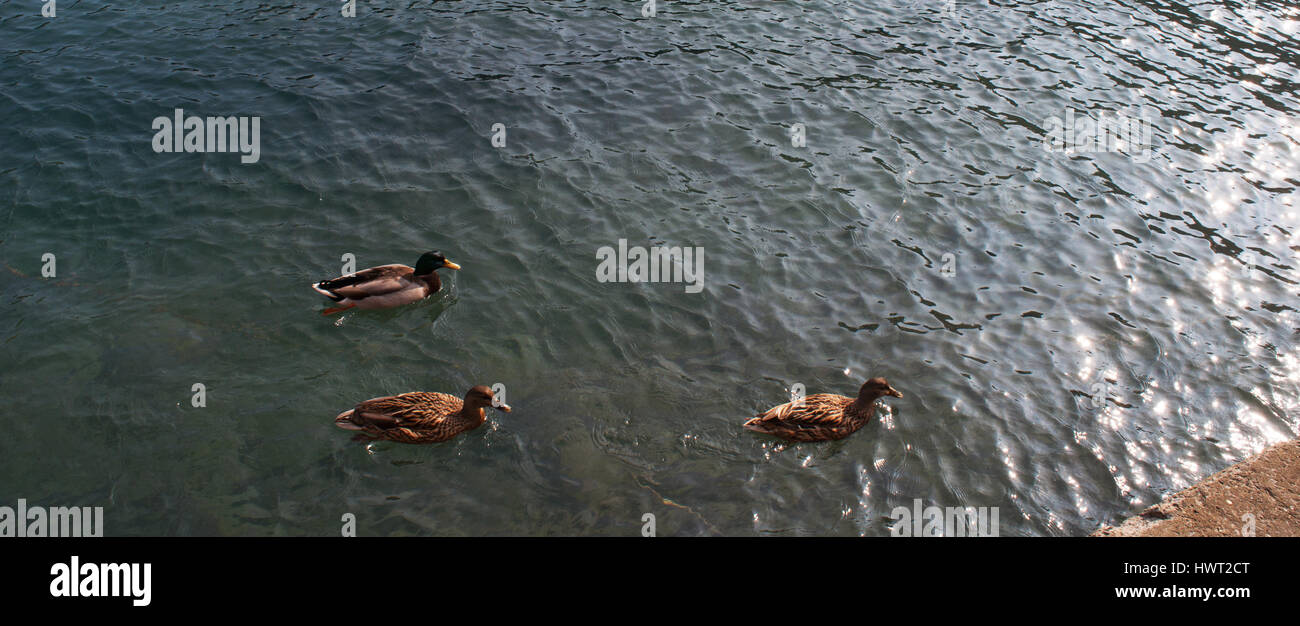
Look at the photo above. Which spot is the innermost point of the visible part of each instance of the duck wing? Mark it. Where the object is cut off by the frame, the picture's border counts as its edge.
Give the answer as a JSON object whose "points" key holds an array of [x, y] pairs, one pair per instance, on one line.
{"points": [[819, 416], [817, 409], [374, 281], [417, 409]]}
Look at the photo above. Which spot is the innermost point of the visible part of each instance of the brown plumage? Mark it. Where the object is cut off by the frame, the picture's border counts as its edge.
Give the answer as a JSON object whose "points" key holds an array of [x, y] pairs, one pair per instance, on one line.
{"points": [[419, 417], [823, 416]]}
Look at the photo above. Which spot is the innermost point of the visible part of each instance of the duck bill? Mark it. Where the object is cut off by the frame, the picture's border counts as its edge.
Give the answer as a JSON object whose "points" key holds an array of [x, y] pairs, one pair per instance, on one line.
{"points": [[449, 265], [894, 392], [504, 408]]}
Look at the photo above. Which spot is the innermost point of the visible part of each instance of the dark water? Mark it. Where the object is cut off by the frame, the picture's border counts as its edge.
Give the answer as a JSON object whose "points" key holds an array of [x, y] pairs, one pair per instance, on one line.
{"points": [[1076, 334]]}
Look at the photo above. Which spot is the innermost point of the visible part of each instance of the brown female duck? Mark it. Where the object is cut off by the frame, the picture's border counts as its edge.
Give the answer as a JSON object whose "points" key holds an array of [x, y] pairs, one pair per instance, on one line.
{"points": [[386, 286], [823, 416], [419, 417]]}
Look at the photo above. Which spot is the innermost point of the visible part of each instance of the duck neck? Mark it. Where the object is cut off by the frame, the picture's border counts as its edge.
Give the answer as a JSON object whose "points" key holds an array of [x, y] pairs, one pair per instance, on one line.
{"points": [[473, 413], [865, 406], [431, 280]]}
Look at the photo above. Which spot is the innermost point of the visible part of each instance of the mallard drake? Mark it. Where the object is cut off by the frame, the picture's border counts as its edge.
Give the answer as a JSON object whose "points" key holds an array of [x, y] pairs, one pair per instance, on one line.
{"points": [[823, 416], [386, 286], [419, 417]]}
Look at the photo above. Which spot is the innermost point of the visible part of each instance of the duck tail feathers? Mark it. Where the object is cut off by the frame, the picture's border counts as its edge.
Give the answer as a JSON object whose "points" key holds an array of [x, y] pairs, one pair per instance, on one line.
{"points": [[344, 421], [322, 288]]}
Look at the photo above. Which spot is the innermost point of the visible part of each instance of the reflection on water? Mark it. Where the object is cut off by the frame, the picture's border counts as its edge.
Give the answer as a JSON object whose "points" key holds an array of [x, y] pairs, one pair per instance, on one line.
{"points": [[1077, 332]]}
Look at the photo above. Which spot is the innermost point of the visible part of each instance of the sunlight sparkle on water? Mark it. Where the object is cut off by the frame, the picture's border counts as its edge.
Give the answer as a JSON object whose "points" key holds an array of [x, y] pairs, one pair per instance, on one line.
{"points": [[1161, 408]]}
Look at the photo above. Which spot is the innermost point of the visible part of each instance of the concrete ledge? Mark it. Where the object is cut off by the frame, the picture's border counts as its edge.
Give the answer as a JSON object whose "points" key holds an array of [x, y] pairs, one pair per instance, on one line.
{"points": [[1266, 486]]}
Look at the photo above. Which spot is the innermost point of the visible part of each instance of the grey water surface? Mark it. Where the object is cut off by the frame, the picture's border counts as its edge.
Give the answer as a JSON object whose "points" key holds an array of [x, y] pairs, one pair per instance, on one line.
{"points": [[1076, 333]]}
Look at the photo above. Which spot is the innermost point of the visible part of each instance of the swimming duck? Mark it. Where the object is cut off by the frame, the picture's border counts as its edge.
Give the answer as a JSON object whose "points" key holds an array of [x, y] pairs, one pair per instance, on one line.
{"points": [[386, 286], [419, 417], [823, 416]]}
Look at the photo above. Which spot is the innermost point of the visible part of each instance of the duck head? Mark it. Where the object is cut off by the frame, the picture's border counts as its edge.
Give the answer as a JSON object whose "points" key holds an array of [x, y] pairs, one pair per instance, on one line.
{"points": [[877, 388], [431, 261], [479, 397]]}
